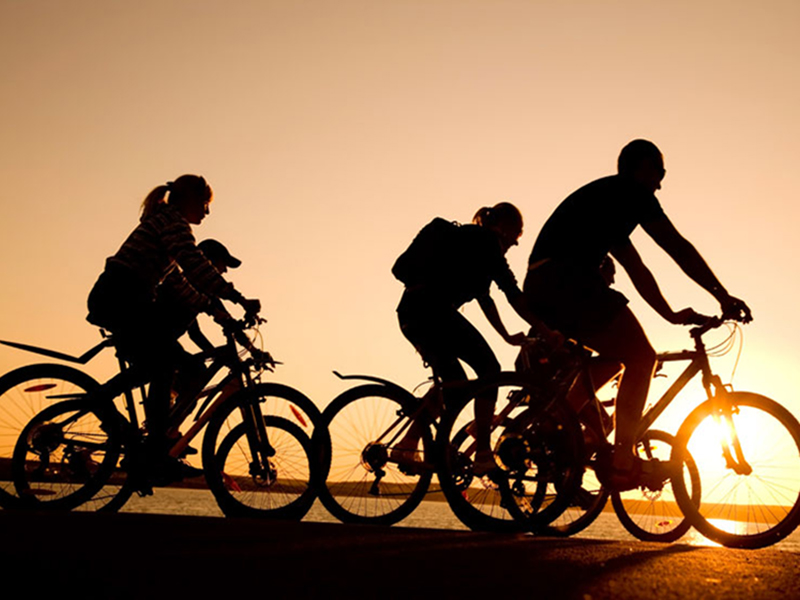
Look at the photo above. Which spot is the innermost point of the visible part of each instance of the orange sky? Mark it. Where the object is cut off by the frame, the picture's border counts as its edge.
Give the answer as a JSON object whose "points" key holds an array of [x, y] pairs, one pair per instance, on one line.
{"points": [[332, 131]]}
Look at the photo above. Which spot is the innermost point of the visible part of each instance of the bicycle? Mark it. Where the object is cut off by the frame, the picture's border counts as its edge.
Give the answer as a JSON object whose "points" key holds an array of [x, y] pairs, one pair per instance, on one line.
{"points": [[256, 450], [361, 482], [648, 514], [728, 484]]}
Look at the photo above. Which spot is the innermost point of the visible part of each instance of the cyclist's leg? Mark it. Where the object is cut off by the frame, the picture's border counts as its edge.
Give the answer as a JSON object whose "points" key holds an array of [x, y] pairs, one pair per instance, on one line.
{"points": [[472, 348], [430, 330], [152, 350], [624, 340]]}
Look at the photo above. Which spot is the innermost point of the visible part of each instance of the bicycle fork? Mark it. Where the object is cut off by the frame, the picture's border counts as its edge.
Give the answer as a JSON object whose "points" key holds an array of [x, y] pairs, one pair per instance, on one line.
{"points": [[723, 411], [261, 468]]}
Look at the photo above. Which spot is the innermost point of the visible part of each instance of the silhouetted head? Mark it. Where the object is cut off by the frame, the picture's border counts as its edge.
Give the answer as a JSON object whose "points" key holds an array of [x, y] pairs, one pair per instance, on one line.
{"points": [[504, 219], [189, 194], [642, 161], [218, 255]]}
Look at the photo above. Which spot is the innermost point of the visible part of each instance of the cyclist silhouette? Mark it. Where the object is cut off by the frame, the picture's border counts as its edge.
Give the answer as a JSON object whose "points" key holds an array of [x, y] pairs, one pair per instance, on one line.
{"points": [[446, 266], [123, 300], [173, 299], [567, 288]]}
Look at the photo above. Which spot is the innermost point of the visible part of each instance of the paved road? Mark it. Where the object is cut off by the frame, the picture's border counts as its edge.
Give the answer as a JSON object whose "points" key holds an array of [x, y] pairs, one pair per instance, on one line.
{"points": [[131, 556]]}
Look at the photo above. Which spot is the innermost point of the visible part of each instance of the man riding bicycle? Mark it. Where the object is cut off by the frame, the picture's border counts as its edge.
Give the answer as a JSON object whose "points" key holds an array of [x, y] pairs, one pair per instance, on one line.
{"points": [[566, 288]]}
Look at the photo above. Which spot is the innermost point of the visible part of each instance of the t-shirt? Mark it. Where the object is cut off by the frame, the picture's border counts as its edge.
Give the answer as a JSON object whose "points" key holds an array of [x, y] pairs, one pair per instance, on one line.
{"points": [[464, 269], [594, 219]]}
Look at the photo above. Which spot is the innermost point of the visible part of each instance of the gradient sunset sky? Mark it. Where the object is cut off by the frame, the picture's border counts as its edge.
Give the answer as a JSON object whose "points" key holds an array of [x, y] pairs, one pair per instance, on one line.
{"points": [[332, 131]]}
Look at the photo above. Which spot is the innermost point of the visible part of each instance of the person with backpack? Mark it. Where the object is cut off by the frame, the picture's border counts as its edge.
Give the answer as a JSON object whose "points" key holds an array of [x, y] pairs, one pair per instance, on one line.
{"points": [[446, 266]]}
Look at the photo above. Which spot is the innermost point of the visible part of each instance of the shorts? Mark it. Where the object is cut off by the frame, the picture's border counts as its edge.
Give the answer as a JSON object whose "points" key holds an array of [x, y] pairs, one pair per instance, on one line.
{"points": [[575, 301]]}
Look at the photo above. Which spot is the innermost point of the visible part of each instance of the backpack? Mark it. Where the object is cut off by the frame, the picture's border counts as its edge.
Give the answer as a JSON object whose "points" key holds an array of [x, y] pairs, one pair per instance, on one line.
{"points": [[429, 253]]}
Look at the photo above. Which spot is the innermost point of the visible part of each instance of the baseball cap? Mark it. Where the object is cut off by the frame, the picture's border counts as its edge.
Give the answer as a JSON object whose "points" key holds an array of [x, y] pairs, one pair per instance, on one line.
{"points": [[214, 250]]}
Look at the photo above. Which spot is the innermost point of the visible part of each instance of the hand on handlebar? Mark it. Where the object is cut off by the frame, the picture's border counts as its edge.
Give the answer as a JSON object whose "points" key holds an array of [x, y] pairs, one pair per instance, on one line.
{"points": [[263, 358], [736, 310], [688, 316], [251, 306]]}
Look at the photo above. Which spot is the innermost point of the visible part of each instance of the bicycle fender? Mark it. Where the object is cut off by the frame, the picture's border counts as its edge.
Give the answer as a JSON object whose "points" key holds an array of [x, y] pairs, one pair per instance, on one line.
{"points": [[378, 380], [82, 359], [51, 369]]}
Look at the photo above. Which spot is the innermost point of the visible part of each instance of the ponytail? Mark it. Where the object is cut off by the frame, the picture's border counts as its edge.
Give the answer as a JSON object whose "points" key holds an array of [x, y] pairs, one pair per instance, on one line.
{"points": [[154, 199], [186, 188], [502, 214]]}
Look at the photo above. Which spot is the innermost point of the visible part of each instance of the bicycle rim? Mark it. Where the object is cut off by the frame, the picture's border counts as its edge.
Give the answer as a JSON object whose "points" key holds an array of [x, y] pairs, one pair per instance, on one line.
{"points": [[63, 457], [280, 487], [25, 392], [654, 515], [363, 484], [753, 509]]}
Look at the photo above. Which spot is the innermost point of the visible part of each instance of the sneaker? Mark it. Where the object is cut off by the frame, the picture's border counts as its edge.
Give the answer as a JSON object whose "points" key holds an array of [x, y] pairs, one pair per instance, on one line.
{"points": [[172, 470], [651, 474], [408, 461], [655, 473]]}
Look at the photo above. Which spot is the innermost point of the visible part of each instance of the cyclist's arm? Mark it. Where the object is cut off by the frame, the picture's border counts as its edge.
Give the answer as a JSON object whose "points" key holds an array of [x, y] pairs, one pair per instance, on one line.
{"points": [[489, 309], [517, 302], [198, 337], [683, 252], [644, 282]]}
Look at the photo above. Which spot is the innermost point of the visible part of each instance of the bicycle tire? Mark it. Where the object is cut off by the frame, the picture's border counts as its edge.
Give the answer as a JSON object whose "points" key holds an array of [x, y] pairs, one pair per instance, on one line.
{"points": [[514, 497], [743, 510], [24, 392], [287, 491], [351, 487], [64, 456], [588, 502], [654, 516]]}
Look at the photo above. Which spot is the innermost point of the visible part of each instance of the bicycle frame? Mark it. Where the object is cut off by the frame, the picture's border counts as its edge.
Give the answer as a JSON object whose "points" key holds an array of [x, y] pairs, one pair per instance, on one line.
{"points": [[223, 356], [716, 392]]}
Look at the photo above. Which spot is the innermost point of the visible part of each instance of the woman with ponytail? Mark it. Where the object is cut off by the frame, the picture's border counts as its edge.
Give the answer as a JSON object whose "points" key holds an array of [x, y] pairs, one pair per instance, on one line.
{"points": [[123, 299], [446, 266]]}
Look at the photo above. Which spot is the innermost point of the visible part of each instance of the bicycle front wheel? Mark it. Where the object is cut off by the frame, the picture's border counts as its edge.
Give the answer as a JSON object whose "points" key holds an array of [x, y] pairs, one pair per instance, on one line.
{"points": [[362, 484], [754, 500], [654, 515], [262, 471], [64, 456]]}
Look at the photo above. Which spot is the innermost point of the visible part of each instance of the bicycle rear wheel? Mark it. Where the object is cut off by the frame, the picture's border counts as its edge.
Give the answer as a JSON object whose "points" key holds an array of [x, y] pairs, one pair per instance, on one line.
{"points": [[531, 484], [64, 456], [757, 503], [361, 484], [25, 392], [654, 516], [245, 483]]}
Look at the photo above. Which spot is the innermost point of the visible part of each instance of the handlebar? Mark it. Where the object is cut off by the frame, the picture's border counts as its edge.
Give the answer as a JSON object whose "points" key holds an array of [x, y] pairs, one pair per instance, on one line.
{"points": [[714, 322], [234, 330]]}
